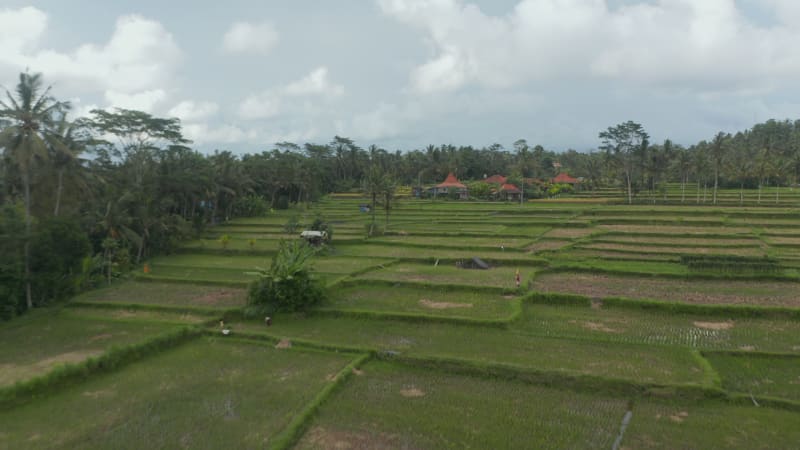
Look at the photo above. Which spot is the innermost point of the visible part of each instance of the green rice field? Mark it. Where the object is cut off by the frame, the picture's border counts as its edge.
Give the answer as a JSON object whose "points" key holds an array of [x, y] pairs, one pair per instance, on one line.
{"points": [[614, 338]]}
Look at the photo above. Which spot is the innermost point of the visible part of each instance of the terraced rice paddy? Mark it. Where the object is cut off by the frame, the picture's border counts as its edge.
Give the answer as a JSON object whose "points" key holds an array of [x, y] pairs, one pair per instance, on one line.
{"points": [[694, 291], [414, 348]]}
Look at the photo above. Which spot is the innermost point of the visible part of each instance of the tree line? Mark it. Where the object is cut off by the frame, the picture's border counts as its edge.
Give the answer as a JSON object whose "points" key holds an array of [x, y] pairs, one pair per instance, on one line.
{"points": [[85, 198]]}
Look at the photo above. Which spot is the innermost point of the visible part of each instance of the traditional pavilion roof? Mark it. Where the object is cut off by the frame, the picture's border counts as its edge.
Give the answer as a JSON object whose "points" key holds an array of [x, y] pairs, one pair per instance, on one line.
{"points": [[510, 188], [496, 179], [451, 181], [564, 178]]}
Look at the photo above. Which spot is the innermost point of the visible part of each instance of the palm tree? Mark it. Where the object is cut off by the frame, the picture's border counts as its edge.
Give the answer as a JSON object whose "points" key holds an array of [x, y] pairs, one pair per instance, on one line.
{"points": [[387, 189], [65, 156], [717, 153], [683, 162], [373, 184], [740, 167], [31, 115]]}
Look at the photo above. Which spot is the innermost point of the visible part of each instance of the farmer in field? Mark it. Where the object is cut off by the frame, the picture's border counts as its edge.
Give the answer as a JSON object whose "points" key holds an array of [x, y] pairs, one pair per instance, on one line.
{"points": [[516, 278]]}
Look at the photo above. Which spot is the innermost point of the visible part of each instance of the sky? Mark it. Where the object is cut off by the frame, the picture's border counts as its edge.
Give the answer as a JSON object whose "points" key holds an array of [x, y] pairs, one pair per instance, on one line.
{"points": [[402, 74]]}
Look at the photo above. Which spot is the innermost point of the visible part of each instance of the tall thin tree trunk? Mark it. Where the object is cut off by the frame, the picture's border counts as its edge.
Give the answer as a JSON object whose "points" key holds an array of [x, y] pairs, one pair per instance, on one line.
{"points": [[653, 190], [372, 211], [141, 249], [58, 191], [741, 194], [683, 188], [214, 211], [759, 191], [698, 191], [630, 194], [28, 295], [716, 183], [108, 265]]}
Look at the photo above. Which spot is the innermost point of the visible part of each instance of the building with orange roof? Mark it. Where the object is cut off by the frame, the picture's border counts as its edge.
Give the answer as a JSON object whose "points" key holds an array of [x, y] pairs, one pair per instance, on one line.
{"points": [[451, 184], [564, 178], [510, 191], [496, 179]]}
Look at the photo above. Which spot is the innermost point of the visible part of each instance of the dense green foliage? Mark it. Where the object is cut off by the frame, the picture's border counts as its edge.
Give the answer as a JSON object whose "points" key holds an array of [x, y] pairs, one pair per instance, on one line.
{"points": [[289, 285], [131, 184]]}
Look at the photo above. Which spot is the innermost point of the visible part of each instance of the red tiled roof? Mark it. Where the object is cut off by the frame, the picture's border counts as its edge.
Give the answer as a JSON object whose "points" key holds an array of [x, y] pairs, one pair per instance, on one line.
{"points": [[510, 188], [496, 179], [565, 178], [451, 181]]}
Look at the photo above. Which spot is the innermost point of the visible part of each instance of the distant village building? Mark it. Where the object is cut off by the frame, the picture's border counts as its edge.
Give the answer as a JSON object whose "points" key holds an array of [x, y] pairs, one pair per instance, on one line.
{"points": [[564, 178], [449, 185], [510, 192], [496, 179], [503, 189]]}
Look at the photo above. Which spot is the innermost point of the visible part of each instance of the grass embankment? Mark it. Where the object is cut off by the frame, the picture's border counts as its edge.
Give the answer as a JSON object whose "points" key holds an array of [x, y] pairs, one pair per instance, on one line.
{"points": [[495, 277], [417, 300], [485, 345], [710, 425], [41, 341], [630, 324], [775, 376], [764, 293], [393, 406], [166, 294], [205, 394]]}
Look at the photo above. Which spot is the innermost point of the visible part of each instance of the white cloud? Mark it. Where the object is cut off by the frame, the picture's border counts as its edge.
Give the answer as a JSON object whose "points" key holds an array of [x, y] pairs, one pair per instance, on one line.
{"points": [[79, 109], [189, 111], [260, 106], [315, 83], [292, 96], [140, 101], [202, 133], [245, 37], [227, 134], [133, 69], [385, 121], [20, 30], [786, 11], [697, 45]]}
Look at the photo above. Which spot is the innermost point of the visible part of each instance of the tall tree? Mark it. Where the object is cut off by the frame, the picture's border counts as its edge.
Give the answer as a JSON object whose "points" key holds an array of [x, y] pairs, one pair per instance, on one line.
{"points": [[372, 186], [623, 143], [31, 113], [717, 153], [65, 156], [683, 165]]}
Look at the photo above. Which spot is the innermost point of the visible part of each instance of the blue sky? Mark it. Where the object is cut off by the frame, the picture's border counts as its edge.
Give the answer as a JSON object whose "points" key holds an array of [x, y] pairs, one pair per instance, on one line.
{"points": [[406, 73]]}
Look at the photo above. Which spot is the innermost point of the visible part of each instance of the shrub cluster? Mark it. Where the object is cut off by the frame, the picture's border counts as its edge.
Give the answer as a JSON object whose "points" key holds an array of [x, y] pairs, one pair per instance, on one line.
{"points": [[289, 285]]}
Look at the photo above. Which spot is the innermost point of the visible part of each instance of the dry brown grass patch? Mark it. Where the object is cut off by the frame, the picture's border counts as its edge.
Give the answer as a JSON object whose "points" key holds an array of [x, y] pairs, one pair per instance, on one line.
{"points": [[548, 245], [212, 298], [323, 438], [595, 326], [679, 417], [10, 373], [715, 325], [101, 337], [412, 392], [443, 305]]}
